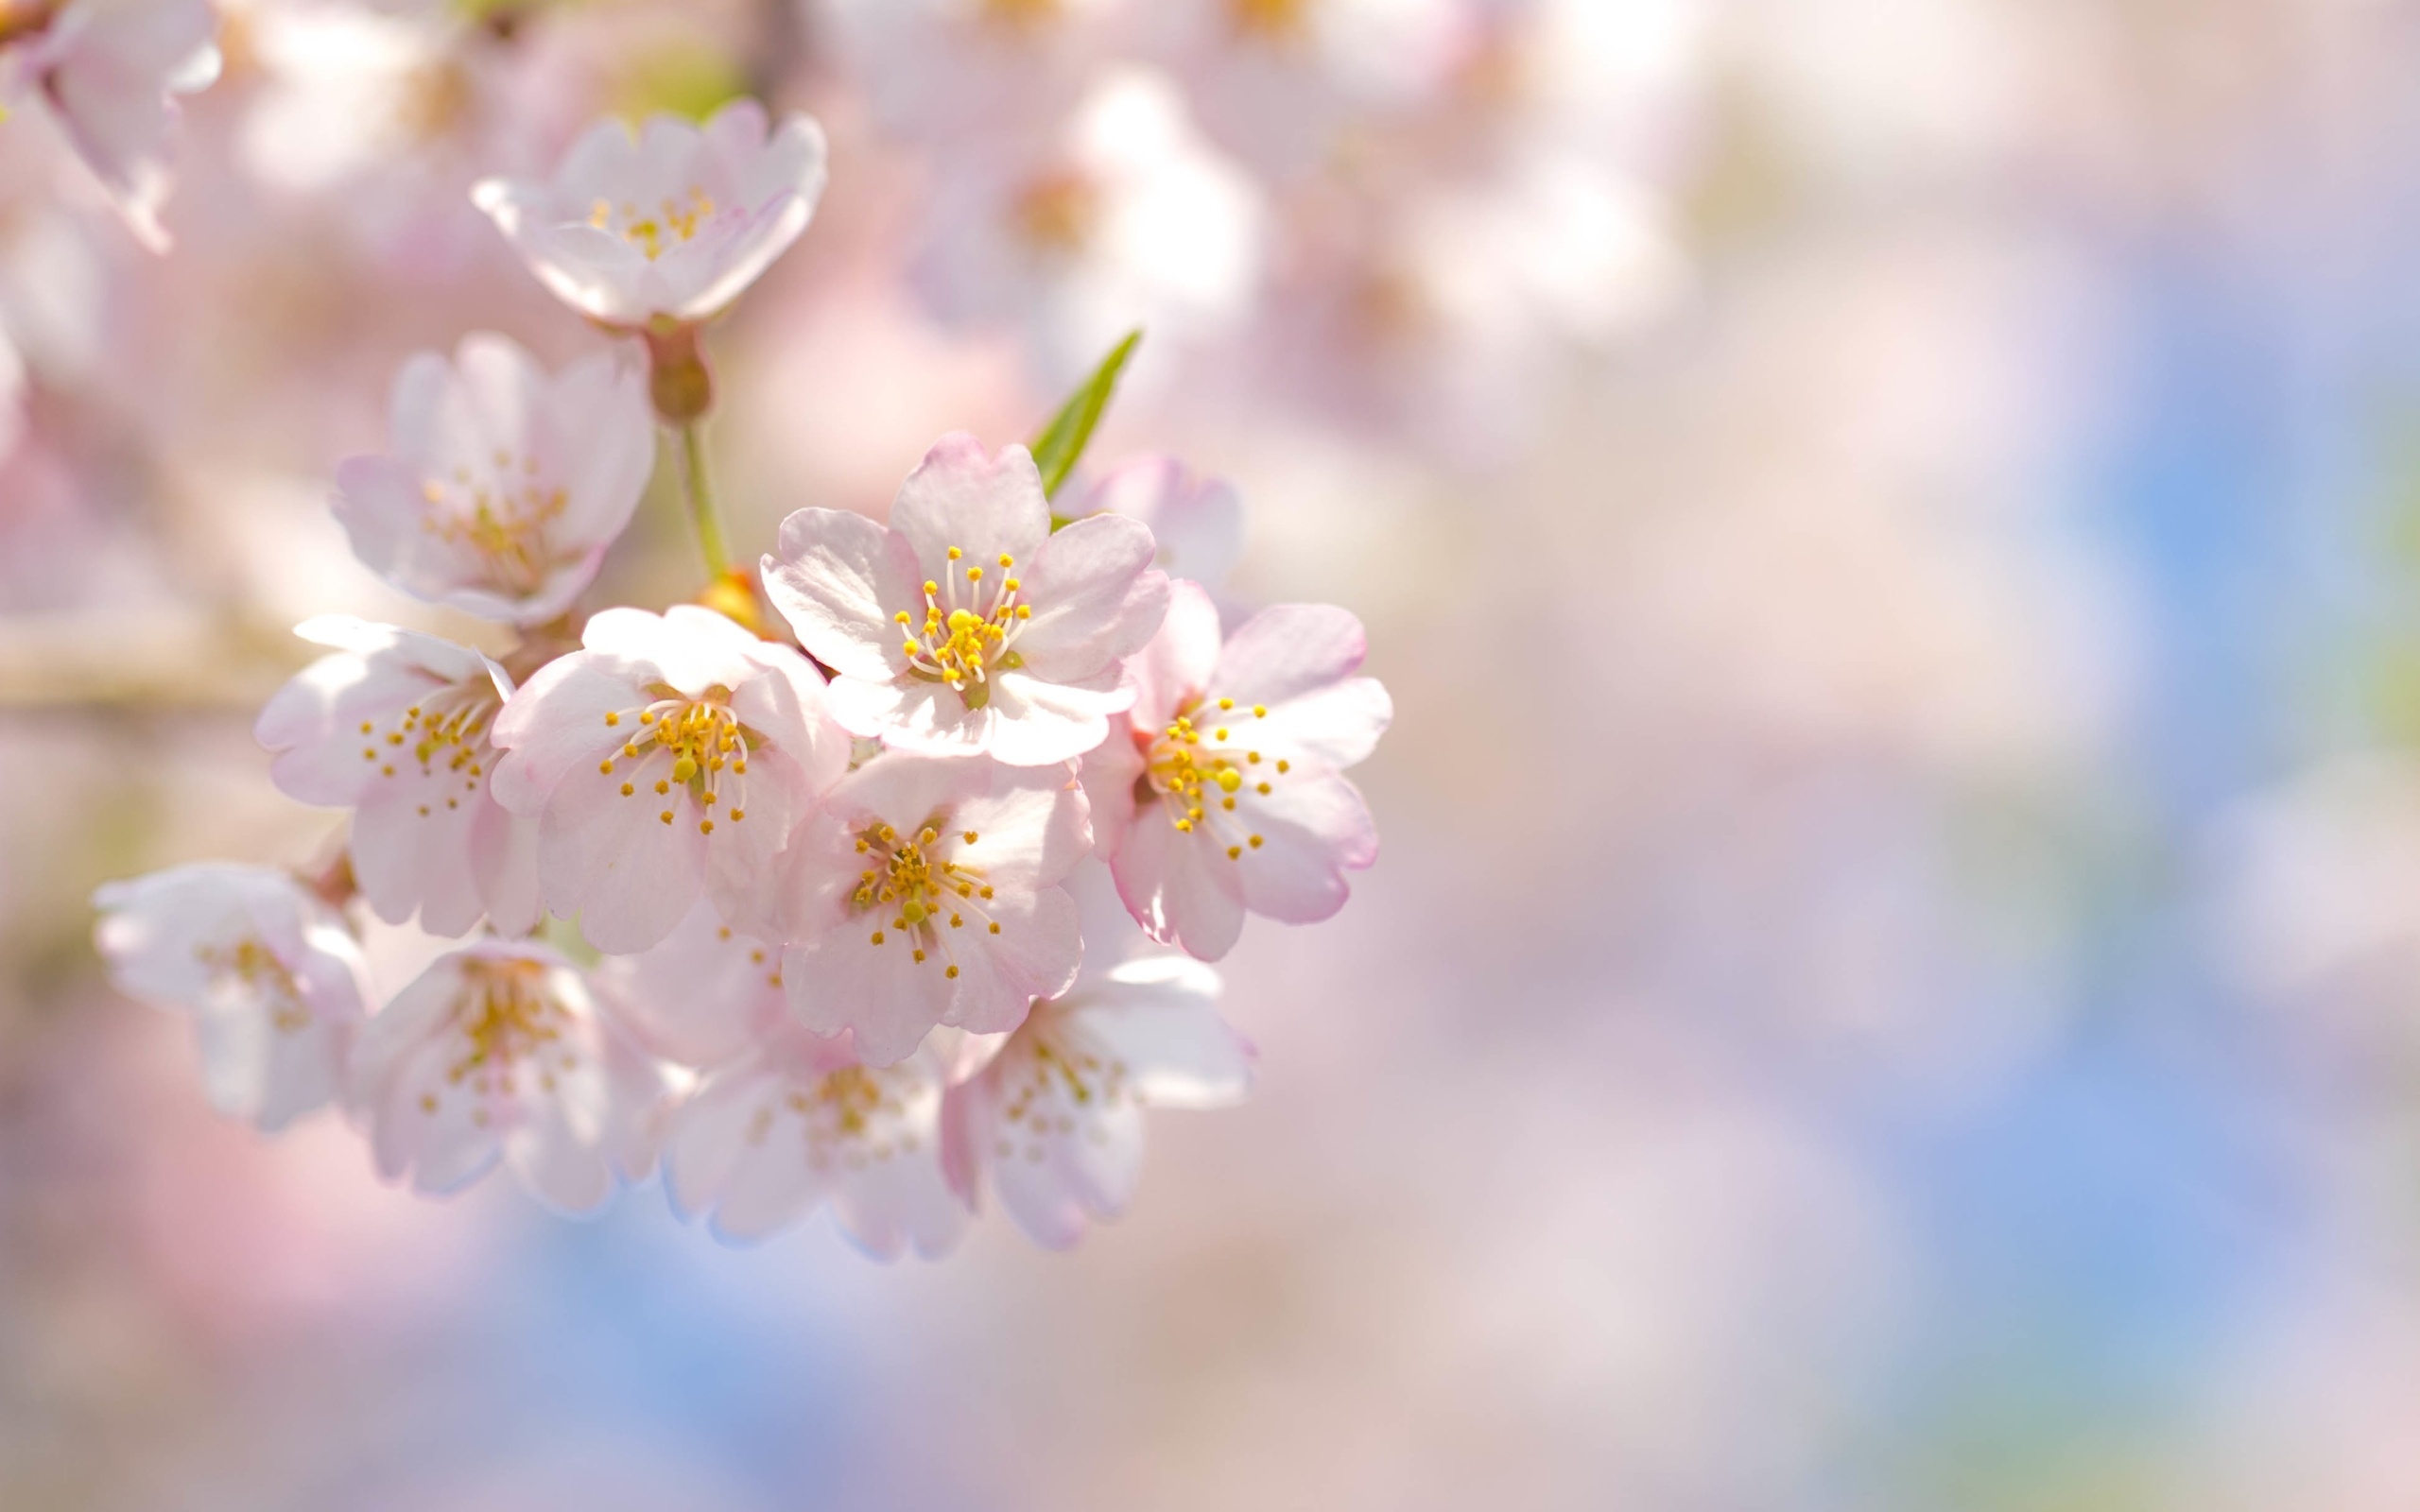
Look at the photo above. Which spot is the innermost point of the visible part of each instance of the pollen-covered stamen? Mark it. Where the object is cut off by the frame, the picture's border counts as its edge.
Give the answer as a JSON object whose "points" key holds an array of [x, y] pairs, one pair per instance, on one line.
{"points": [[1202, 776], [921, 898], [254, 967], [507, 1024], [671, 223], [970, 627], [444, 735], [694, 744], [1054, 1067], [854, 1116], [502, 512]]}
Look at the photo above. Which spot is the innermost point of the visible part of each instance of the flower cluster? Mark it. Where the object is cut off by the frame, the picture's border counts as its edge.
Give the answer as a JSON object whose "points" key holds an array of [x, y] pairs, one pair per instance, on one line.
{"points": [[893, 896]]}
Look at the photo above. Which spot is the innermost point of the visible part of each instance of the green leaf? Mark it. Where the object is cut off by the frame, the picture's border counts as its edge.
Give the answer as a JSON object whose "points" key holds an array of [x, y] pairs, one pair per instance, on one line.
{"points": [[1062, 443]]}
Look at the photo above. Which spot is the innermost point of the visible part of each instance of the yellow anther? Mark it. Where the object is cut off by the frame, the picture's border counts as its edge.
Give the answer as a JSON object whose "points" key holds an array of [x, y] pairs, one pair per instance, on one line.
{"points": [[877, 937], [613, 718], [994, 928], [605, 767], [666, 815], [1260, 710], [1229, 779], [1006, 561], [955, 554], [974, 575], [663, 787], [1226, 703], [1255, 842], [628, 790], [951, 973], [705, 826], [1235, 852]]}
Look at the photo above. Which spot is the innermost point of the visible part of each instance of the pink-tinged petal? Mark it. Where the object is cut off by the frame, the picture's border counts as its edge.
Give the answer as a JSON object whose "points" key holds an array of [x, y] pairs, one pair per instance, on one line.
{"points": [[899, 1204], [703, 277], [1035, 723], [564, 1167], [1288, 650], [379, 501], [1030, 824], [988, 506], [742, 855], [1096, 598], [1178, 664], [841, 980], [503, 390], [443, 1149], [410, 849], [614, 861], [792, 707], [1181, 890], [555, 726], [709, 1138], [704, 996], [1109, 774], [599, 425], [914, 717], [1159, 1015], [1036, 954], [504, 861], [1313, 830], [838, 578], [905, 789], [1198, 523], [1336, 726]]}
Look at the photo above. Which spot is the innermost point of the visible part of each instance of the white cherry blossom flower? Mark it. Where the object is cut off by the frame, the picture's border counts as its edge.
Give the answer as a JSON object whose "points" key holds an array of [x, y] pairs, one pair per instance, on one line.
{"points": [[669, 223], [1120, 216], [275, 982], [666, 760], [706, 995], [1053, 1125], [967, 625], [109, 71], [1197, 522], [802, 1123], [504, 484], [500, 1051], [1223, 795], [397, 726], [350, 91], [925, 890]]}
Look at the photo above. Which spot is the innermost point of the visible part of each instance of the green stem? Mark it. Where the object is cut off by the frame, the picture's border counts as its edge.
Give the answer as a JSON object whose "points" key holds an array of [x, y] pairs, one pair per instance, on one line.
{"points": [[703, 518]]}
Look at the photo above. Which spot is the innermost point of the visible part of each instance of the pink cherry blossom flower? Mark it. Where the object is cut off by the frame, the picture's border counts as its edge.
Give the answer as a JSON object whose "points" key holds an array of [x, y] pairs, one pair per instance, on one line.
{"points": [[669, 223], [504, 486], [802, 1123], [668, 758], [1197, 522], [109, 71], [706, 995], [1224, 797], [967, 625], [275, 981], [500, 1051], [1054, 1123], [397, 726], [925, 890]]}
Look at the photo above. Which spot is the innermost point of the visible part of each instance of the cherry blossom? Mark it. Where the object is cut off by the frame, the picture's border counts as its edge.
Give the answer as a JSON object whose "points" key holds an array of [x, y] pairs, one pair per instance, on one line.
{"points": [[802, 1123], [275, 982], [1224, 797], [967, 625], [1197, 522], [504, 484], [953, 72], [668, 758], [1053, 1125], [352, 90], [108, 70], [397, 726], [669, 223], [1122, 215], [925, 890], [500, 1051], [704, 995]]}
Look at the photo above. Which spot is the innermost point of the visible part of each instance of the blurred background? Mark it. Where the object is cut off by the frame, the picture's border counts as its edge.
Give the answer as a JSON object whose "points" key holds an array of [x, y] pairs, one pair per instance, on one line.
{"points": [[1894, 976]]}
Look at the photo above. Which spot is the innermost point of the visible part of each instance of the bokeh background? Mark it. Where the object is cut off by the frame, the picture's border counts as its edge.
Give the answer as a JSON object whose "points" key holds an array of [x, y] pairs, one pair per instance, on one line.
{"points": [[1894, 980]]}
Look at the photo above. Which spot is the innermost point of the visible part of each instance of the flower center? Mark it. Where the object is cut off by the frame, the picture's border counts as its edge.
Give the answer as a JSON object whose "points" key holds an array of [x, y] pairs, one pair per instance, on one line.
{"points": [[672, 223], [697, 744], [444, 734], [503, 517], [1271, 21], [964, 637], [1055, 212], [1200, 782], [433, 101], [254, 967], [926, 895], [1048, 1067], [504, 1016], [1020, 15], [855, 1114]]}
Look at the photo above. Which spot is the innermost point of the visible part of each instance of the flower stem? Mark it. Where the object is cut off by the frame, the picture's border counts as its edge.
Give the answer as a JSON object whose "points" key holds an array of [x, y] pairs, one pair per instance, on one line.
{"points": [[703, 518]]}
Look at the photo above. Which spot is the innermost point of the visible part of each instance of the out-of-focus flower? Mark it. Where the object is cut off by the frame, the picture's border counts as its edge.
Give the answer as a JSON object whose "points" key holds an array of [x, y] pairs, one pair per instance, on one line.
{"points": [[1285, 83], [275, 982], [504, 486], [1123, 217], [109, 70], [1240, 749], [953, 72], [968, 626], [670, 223], [925, 890], [500, 1051], [703, 996], [397, 727], [802, 1123], [1197, 522], [1054, 1123], [353, 89], [668, 758]]}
